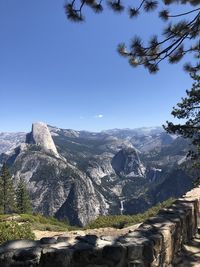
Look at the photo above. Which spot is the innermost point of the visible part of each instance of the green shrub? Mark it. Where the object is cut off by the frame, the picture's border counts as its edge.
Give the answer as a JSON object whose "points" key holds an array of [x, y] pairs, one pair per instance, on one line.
{"points": [[5, 217], [42, 223], [13, 231], [121, 221], [38, 222]]}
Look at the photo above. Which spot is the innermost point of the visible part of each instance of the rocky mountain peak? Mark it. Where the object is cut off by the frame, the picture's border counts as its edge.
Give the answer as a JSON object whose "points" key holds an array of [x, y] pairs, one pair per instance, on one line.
{"points": [[127, 162], [122, 172], [40, 135]]}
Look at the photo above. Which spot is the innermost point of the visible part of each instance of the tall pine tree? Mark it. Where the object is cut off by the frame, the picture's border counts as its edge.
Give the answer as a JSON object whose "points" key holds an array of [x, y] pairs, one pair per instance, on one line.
{"points": [[23, 199], [188, 112], [7, 193]]}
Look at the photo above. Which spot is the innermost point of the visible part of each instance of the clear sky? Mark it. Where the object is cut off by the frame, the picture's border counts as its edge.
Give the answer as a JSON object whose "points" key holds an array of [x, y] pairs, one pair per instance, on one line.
{"points": [[70, 75]]}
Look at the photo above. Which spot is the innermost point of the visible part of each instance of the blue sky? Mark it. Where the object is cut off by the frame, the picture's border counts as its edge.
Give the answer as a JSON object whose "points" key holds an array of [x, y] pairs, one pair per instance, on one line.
{"points": [[71, 76]]}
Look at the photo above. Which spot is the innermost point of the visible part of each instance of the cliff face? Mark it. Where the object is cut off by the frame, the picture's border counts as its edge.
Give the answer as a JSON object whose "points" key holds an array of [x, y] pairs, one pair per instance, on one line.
{"points": [[127, 162], [56, 187], [40, 135], [81, 175]]}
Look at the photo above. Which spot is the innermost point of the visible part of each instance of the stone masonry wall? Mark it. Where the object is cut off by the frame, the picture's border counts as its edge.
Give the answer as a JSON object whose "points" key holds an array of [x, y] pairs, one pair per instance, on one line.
{"points": [[156, 243]]}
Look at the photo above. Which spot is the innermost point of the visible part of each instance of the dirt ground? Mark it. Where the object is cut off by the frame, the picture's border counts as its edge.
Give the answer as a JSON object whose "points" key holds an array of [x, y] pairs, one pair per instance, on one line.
{"points": [[97, 232]]}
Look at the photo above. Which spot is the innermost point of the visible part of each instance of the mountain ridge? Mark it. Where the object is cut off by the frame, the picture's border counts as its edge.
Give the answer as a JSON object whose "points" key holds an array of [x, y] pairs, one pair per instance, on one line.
{"points": [[88, 174]]}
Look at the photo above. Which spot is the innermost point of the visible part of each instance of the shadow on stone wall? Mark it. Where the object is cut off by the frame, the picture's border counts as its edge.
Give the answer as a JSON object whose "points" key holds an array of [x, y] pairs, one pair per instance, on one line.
{"points": [[159, 241]]}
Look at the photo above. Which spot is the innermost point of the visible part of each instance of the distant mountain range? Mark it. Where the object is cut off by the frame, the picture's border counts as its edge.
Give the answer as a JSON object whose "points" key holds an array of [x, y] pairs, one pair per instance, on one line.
{"points": [[8, 141], [80, 175]]}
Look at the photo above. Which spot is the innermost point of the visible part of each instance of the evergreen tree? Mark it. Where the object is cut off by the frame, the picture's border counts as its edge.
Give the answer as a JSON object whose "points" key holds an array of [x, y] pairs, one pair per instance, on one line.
{"points": [[180, 34], [23, 199], [188, 110], [7, 193]]}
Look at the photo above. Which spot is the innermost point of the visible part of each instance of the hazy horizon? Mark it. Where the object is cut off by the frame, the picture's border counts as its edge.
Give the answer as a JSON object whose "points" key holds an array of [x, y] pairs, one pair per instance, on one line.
{"points": [[86, 130]]}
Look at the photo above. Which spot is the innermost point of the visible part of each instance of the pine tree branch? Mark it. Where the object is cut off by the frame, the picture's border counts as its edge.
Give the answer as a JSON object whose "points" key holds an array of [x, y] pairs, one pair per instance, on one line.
{"points": [[183, 14]]}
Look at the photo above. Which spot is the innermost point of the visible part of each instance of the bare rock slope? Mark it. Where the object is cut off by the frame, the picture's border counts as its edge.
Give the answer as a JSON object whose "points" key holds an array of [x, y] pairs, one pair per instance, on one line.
{"points": [[80, 175], [40, 135]]}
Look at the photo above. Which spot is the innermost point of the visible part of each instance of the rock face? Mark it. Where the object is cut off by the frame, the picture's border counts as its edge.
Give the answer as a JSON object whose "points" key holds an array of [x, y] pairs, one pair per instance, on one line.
{"points": [[80, 175], [127, 162], [77, 209], [9, 141], [40, 135], [156, 243]]}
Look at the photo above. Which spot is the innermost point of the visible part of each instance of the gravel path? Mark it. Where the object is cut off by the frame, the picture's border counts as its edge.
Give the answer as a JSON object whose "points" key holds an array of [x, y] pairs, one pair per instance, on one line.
{"points": [[190, 256], [98, 232]]}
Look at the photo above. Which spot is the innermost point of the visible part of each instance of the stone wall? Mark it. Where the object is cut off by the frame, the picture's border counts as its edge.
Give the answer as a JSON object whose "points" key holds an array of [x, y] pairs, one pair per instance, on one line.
{"points": [[157, 242]]}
